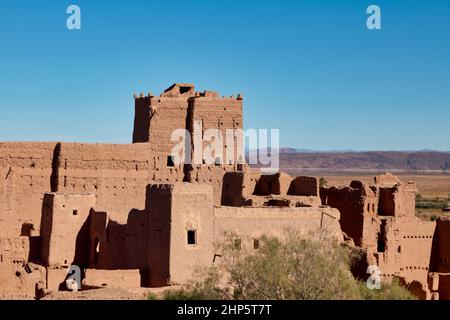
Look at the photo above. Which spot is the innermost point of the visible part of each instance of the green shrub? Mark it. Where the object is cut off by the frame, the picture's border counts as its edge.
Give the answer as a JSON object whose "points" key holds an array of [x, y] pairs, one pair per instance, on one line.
{"points": [[182, 294], [388, 291], [152, 296], [294, 269], [431, 203]]}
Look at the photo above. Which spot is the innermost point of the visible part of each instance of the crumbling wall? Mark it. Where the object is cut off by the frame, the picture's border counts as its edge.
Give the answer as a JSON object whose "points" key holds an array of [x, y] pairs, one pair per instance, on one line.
{"points": [[213, 175], [21, 281], [252, 188], [386, 180], [252, 223], [18, 278], [356, 205], [277, 184], [14, 250], [386, 203], [405, 201], [219, 113], [304, 186], [116, 174], [239, 186], [232, 191], [25, 175]]}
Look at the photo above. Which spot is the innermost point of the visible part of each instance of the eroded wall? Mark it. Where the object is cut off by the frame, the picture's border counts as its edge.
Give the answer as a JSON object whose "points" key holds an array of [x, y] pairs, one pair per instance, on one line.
{"points": [[252, 223], [25, 176]]}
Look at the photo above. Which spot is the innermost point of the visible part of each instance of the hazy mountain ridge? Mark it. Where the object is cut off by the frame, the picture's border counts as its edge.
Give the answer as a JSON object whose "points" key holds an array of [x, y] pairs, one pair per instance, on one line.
{"points": [[370, 160]]}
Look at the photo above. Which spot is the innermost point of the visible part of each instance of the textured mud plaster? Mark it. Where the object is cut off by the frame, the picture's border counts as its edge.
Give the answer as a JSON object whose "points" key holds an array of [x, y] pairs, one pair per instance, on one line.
{"points": [[182, 211], [65, 229], [129, 216]]}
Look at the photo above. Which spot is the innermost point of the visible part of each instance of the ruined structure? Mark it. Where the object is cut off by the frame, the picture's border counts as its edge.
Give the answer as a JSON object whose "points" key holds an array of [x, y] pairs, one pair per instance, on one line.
{"points": [[380, 219], [129, 216]]}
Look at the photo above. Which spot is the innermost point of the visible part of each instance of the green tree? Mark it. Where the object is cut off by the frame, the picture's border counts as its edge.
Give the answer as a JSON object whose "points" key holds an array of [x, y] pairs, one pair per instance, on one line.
{"points": [[316, 268]]}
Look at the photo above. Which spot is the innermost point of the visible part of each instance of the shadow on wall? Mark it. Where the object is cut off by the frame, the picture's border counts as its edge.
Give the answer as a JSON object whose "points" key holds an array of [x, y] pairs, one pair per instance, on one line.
{"points": [[81, 258], [27, 230], [113, 245], [98, 243], [434, 257], [239, 187]]}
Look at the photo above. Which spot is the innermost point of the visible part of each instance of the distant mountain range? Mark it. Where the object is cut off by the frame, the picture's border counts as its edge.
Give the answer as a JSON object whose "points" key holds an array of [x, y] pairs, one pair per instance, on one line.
{"points": [[291, 158]]}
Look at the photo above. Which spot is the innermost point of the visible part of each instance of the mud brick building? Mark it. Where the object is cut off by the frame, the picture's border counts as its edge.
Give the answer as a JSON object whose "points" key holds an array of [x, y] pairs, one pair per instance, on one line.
{"points": [[129, 216]]}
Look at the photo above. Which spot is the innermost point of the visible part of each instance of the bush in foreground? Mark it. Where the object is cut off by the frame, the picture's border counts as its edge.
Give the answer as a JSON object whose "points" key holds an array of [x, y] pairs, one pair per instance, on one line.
{"points": [[294, 269]]}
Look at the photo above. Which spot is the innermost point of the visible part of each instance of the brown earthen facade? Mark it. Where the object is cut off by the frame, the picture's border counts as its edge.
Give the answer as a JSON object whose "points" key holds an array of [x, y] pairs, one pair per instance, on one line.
{"points": [[127, 215]]}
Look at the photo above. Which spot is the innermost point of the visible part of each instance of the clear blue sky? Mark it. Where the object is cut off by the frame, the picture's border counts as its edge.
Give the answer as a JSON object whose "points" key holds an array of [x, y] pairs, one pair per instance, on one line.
{"points": [[310, 68]]}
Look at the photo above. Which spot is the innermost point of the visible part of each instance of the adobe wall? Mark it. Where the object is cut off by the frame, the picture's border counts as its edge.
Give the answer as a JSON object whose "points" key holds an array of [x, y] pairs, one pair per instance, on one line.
{"points": [[157, 117], [356, 204], [278, 184], [25, 173], [239, 186], [182, 237], [213, 175], [233, 191], [113, 245], [18, 278], [65, 229], [117, 174], [112, 278], [444, 286], [252, 223], [416, 241], [404, 201], [20, 281], [159, 236], [251, 188], [304, 186], [442, 262], [220, 113], [407, 250], [386, 180]]}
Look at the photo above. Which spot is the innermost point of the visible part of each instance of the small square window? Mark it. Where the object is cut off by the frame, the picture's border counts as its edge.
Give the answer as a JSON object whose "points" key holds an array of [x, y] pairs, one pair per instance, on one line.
{"points": [[255, 244], [191, 237], [170, 162], [75, 212], [238, 244]]}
